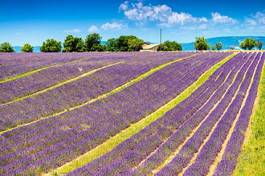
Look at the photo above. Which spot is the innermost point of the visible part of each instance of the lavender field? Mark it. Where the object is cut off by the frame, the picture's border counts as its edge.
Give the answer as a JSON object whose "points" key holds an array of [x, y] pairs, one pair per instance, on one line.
{"points": [[127, 113]]}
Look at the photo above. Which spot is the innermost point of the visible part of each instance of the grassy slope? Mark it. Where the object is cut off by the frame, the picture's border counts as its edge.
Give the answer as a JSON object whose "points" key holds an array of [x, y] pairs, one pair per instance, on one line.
{"points": [[135, 128], [252, 158]]}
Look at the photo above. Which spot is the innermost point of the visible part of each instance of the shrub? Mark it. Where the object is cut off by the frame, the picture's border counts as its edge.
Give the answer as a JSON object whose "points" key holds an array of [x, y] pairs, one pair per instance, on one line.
{"points": [[73, 44], [6, 47], [92, 42], [201, 44], [248, 44], [112, 45], [129, 43], [219, 46], [170, 46], [51, 45], [258, 45], [27, 48]]}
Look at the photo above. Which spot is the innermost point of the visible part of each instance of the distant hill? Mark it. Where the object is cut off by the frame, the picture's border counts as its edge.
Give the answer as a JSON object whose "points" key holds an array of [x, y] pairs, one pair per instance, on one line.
{"points": [[228, 42]]}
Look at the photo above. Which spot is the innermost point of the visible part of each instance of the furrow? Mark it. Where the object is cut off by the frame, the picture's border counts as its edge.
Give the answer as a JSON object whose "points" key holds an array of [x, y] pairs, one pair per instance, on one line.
{"points": [[29, 73], [252, 155], [231, 130], [215, 125], [134, 128], [105, 95], [151, 154], [171, 157], [61, 83], [218, 123]]}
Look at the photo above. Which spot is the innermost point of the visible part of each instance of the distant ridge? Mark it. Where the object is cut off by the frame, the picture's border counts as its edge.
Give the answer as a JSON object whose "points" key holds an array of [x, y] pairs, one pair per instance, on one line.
{"points": [[228, 42]]}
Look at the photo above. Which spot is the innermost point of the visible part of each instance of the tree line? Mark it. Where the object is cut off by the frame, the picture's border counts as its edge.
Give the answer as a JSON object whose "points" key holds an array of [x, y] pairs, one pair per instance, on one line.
{"points": [[92, 42]]}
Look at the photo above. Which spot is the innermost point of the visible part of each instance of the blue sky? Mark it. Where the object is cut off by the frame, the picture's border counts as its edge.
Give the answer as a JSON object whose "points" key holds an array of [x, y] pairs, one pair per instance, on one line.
{"points": [[34, 21]]}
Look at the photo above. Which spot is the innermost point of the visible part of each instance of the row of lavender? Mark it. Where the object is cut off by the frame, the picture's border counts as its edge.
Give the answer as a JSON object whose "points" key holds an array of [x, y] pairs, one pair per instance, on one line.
{"points": [[148, 149], [13, 64], [52, 75], [55, 141], [77, 92], [183, 131]]}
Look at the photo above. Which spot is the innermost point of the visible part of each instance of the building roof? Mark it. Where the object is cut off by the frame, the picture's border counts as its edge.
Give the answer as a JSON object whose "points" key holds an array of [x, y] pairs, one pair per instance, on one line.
{"points": [[151, 46]]}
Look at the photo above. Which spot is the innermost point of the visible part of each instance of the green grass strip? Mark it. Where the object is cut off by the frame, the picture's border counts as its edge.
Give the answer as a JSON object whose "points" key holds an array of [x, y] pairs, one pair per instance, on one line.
{"points": [[61, 83], [135, 128], [251, 160], [29, 73], [116, 90]]}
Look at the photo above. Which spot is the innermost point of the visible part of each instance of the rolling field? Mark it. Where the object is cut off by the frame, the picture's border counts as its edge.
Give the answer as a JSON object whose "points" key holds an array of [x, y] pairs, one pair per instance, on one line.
{"points": [[168, 113]]}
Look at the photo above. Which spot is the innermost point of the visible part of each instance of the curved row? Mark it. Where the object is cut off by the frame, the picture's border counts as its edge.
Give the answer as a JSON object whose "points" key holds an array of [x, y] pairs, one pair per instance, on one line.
{"points": [[73, 133]]}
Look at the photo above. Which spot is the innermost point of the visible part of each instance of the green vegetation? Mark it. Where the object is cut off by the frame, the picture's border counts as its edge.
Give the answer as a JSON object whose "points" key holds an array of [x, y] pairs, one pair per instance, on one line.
{"points": [[258, 45], [248, 44], [6, 47], [27, 48], [73, 44], [112, 45], [125, 43], [201, 44], [51, 45], [93, 43], [170, 46], [219, 46], [135, 128], [251, 160]]}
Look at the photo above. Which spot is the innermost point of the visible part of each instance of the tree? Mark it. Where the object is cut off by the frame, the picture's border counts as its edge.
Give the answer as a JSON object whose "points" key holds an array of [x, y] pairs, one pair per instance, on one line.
{"points": [[92, 42], [73, 44], [112, 45], [51, 45], [170, 46], [27, 48], [248, 44], [201, 44], [6, 47], [258, 45], [219, 46], [135, 44], [129, 43]]}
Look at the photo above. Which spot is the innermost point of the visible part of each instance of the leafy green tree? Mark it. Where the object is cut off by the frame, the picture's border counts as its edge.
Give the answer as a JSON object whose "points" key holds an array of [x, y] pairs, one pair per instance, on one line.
{"points": [[6, 47], [258, 45], [92, 42], [219, 46], [135, 44], [170, 46], [112, 45], [98, 47], [129, 43], [201, 44], [248, 44], [51, 45], [73, 44], [27, 48]]}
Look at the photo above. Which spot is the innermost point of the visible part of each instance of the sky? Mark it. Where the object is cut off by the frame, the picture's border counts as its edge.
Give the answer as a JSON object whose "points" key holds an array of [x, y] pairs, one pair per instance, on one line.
{"points": [[33, 21]]}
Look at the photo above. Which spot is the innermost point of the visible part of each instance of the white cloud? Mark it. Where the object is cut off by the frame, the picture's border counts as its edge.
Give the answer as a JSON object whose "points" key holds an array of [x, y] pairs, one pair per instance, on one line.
{"points": [[257, 19], [73, 31], [112, 26], [93, 29], [220, 19], [162, 14], [124, 6]]}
